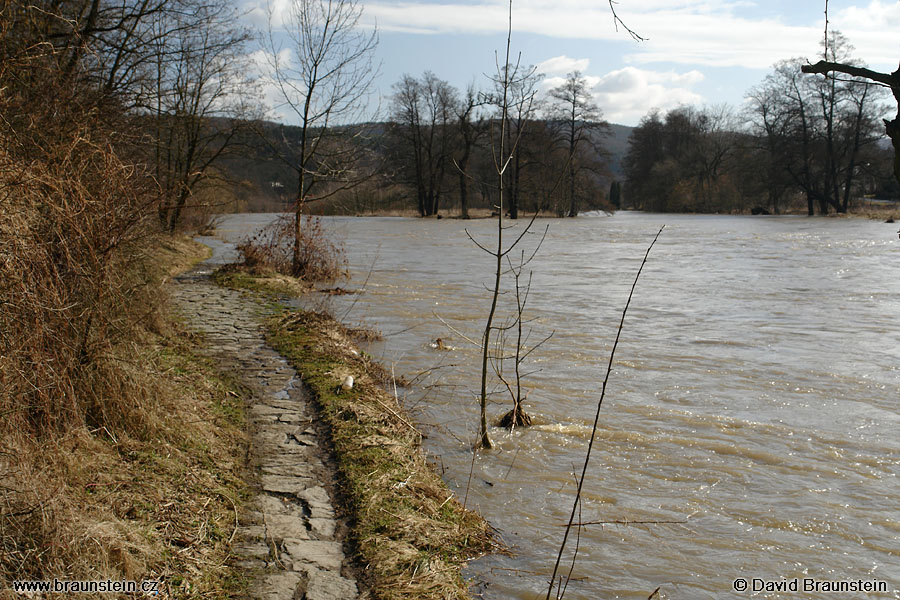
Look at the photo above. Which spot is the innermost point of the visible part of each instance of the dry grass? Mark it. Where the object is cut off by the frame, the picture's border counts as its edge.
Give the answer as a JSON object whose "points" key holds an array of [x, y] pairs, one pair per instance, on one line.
{"points": [[878, 212], [410, 532], [118, 446], [157, 501]]}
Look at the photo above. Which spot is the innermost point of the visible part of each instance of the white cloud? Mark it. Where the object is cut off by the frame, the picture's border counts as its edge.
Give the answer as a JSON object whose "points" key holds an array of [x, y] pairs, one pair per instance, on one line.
{"points": [[260, 11], [262, 65], [562, 65], [708, 32], [626, 95], [872, 29]]}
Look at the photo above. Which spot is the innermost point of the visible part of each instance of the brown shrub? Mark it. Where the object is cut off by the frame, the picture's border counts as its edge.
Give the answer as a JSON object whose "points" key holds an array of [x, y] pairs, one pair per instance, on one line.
{"points": [[104, 459], [272, 249], [68, 248]]}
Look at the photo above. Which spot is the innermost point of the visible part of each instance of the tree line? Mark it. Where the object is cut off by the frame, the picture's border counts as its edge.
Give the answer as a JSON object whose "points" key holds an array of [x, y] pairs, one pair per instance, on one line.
{"points": [[438, 145], [799, 142]]}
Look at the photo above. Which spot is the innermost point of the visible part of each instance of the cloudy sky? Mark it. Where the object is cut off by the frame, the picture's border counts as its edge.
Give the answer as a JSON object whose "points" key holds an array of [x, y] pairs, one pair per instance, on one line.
{"points": [[696, 51]]}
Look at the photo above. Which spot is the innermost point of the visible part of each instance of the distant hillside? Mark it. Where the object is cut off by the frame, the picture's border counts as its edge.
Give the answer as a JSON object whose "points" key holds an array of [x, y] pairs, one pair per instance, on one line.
{"points": [[617, 145], [263, 181]]}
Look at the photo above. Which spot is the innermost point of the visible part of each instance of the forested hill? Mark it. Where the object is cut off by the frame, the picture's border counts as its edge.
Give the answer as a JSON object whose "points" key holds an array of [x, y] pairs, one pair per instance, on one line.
{"points": [[258, 176]]}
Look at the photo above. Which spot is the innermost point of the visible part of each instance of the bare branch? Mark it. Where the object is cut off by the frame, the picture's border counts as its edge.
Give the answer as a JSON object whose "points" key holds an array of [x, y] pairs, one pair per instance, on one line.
{"points": [[891, 80], [617, 21], [587, 458], [456, 331]]}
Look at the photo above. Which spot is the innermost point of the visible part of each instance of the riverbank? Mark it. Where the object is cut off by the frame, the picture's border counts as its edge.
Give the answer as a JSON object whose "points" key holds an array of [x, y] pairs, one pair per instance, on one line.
{"points": [[155, 500], [409, 532]]}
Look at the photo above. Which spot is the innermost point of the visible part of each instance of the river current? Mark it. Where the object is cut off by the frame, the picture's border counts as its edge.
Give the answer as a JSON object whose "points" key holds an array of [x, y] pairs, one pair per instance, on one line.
{"points": [[752, 413]]}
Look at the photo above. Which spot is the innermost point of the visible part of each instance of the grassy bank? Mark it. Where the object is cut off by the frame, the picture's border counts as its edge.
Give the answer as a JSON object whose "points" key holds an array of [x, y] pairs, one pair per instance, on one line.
{"points": [[410, 533], [155, 498]]}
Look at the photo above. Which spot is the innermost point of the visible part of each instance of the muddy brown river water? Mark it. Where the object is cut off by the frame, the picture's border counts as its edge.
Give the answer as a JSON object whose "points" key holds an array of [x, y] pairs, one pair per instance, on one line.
{"points": [[754, 400]]}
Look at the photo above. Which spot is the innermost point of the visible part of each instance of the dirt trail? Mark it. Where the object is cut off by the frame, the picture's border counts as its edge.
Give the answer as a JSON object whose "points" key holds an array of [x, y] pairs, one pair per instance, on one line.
{"points": [[291, 537]]}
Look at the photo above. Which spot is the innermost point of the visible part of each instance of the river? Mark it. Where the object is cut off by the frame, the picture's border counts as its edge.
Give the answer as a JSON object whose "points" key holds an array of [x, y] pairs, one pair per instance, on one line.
{"points": [[753, 408]]}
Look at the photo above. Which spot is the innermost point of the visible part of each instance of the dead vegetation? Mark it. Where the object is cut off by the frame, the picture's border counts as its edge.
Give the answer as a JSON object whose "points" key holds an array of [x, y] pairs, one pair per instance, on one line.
{"points": [[271, 250], [151, 494], [409, 530], [118, 446]]}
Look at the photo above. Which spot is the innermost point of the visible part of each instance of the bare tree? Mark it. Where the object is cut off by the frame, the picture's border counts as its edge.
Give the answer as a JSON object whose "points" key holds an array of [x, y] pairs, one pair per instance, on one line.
{"points": [[196, 98], [819, 131], [521, 108], [471, 128], [325, 83], [424, 111], [502, 153], [517, 417], [832, 64], [888, 80], [770, 127], [579, 118]]}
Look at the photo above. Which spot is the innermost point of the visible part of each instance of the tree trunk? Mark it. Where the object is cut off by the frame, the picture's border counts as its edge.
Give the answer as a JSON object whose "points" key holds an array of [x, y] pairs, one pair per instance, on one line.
{"points": [[893, 131], [175, 211], [298, 227], [463, 195]]}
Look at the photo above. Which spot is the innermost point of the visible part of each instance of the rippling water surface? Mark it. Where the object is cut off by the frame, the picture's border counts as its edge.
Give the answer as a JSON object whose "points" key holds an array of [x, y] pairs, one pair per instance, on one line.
{"points": [[755, 395]]}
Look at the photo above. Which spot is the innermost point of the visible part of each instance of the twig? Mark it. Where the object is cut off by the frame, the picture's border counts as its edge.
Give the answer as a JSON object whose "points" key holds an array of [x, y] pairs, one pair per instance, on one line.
{"points": [[393, 412], [587, 458], [471, 470], [624, 522], [236, 521], [617, 21], [362, 290], [456, 331], [512, 463]]}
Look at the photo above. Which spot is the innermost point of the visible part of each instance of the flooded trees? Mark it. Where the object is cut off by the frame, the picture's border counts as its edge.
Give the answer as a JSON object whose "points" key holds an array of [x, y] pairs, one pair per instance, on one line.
{"points": [[861, 74], [425, 112], [521, 110], [682, 162], [471, 128], [578, 119], [820, 130]]}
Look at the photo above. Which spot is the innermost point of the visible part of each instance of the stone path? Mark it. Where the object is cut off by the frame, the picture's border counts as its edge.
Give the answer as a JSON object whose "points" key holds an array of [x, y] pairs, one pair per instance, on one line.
{"points": [[290, 538]]}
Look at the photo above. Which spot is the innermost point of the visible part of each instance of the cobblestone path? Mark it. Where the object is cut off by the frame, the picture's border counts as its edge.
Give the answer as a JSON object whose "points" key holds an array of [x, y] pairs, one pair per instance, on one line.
{"points": [[290, 538]]}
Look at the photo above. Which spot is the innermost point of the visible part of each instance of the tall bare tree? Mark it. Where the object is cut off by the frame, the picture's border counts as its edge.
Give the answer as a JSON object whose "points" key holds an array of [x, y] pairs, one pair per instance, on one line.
{"points": [[522, 107], [471, 128], [424, 111], [888, 80], [325, 82], [579, 118], [502, 151]]}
